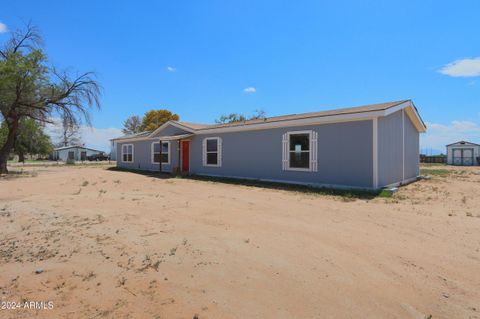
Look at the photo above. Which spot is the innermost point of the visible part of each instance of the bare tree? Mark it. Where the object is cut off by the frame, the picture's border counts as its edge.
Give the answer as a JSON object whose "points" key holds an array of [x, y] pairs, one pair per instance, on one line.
{"points": [[68, 133], [29, 88], [132, 125]]}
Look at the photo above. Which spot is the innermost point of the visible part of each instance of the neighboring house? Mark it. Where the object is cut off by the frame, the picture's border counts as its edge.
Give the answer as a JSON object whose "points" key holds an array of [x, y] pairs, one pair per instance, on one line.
{"points": [[367, 147], [463, 153], [76, 153]]}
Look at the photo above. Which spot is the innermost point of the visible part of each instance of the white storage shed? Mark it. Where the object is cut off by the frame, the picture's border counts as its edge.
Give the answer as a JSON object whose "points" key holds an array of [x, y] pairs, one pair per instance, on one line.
{"points": [[463, 153]]}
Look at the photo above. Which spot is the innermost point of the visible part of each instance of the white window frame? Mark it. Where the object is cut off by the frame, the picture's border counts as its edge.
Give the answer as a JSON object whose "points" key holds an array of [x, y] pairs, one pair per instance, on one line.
{"points": [[124, 146], [219, 151], [312, 140], [168, 152]]}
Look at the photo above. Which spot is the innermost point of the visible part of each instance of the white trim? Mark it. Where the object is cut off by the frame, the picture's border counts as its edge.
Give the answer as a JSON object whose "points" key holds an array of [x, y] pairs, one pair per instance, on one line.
{"points": [[312, 151], [152, 153], [402, 183], [403, 144], [284, 151], [172, 123], [133, 152], [459, 143], [359, 116], [411, 112], [292, 123], [283, 181], [219, 151], [398, 107], [133, 139], [375, 153]]}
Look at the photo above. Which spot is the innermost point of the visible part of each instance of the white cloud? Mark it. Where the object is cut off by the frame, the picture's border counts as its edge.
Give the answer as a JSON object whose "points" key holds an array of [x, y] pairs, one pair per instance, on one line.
{"points": [[439, 135], [250, 89], [3, 28], [465, 68], [96, 138], [171, 69]]}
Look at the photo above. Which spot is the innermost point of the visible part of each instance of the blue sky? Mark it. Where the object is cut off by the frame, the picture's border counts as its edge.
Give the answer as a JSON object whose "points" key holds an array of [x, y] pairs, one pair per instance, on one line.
{"points": [[196, 58]]}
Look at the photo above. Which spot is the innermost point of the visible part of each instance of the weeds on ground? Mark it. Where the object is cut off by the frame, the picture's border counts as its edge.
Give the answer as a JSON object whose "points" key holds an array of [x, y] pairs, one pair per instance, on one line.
{"points": [[121, 282], [345, 194], [441, 172], [385, 193], [19, 173], [85, 183]]}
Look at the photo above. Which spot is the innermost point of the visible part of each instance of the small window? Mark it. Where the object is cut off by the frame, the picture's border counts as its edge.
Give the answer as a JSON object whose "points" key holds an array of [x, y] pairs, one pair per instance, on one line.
{"points": [[165, 154], [212, 151], [300, 151], [127, 153]]}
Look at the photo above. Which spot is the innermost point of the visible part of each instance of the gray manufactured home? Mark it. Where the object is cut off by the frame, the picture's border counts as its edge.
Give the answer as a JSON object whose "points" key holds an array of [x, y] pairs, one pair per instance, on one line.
{"points": [[368, 147]]}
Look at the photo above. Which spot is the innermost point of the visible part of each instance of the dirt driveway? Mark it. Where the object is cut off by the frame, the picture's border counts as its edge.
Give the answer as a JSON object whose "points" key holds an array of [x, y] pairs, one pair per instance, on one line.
{"points": [[111, 244]]}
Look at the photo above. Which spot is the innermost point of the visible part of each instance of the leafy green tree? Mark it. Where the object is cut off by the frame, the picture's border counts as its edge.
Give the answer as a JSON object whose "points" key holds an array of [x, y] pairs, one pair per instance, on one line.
{"points": [[235, 117], [231, 118], [154, 118], [31, 139], [32, 89]]}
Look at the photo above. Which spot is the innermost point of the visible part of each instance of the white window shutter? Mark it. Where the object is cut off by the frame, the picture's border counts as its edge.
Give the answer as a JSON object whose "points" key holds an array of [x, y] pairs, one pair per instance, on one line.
{"points": [[220, 151], [204, 151], [313, 152], [169, 151], [285, 152]]}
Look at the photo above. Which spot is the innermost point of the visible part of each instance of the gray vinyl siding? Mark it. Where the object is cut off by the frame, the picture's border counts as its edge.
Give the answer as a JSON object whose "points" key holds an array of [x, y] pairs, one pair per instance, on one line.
{"points": [[412, 150], [344, 155], [171, 130], [391, 149], [390, 145], [142, 158]]}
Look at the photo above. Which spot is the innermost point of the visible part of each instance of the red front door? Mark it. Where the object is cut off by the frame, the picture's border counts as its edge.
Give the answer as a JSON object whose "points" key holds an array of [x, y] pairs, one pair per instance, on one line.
{"points": [[185, 156]]}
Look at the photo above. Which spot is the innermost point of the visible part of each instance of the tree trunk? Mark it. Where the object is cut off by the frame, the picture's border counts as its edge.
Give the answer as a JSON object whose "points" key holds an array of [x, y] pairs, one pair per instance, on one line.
{"points": [[8, 146], [21, 157]]}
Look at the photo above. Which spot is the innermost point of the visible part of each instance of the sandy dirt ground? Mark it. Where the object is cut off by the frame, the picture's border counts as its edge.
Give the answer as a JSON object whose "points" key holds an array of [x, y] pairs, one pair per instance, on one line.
{"points": [[110, 244]]}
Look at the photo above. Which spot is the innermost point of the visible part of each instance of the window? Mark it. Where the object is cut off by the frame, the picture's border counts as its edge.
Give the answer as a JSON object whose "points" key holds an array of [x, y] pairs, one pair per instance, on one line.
{"points": [[127, 153], [300, 151], [165, 152], [212, 151]]}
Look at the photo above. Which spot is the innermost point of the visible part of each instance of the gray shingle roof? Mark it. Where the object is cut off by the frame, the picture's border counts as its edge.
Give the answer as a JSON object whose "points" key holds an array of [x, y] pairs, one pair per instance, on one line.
{"points": [[351, 110]]}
